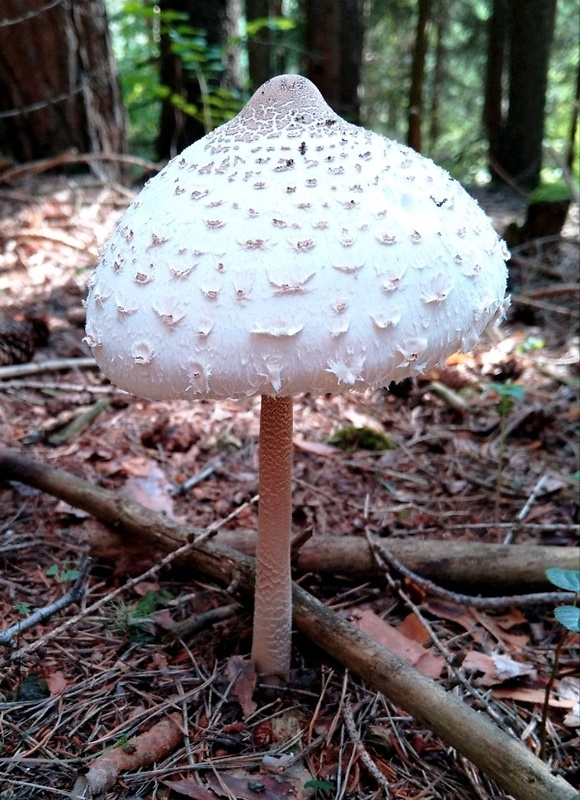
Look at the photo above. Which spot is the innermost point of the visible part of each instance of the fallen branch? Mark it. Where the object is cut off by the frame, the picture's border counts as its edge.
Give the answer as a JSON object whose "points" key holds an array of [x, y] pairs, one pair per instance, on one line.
{"points": [[53, 365], [505, 759], [140, 751], [73, 157], [136, 530]]}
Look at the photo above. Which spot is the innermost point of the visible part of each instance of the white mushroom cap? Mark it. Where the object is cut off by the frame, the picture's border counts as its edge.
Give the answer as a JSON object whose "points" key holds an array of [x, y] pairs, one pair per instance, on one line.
{"points": [[289, 251]]}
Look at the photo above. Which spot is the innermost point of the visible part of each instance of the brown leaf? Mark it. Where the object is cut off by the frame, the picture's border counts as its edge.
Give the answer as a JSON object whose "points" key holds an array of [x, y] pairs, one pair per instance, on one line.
{"points": [[496, 668], [243, 676], [267, 787], [149, 487], [316, 448], [392, 638], [187, 788], [57, 683]]}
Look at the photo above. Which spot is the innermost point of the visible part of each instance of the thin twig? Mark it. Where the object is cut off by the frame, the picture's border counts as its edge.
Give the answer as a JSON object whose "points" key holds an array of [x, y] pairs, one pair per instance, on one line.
{"points": [[73, 595], [512, 534], [457, 671], [370, 765], [53, 365], [533, 598], [210, 531], [195, 479]]}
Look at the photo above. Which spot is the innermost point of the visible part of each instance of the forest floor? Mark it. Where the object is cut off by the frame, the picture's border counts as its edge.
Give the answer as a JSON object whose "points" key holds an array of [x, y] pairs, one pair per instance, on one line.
{"points": [[485, 450]]}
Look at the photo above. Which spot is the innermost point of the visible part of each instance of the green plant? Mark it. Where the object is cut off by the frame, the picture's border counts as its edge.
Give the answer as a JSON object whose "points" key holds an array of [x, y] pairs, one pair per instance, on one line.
{"points": [[63, 573], [569, 617], [353, 437], [132, 620], [138, 29], [320, 787], [569, 580], [508, 394]]}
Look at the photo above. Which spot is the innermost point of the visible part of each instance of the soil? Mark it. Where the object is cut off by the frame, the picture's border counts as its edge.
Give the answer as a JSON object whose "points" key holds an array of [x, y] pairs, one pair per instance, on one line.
{"points": [[484, 450]]}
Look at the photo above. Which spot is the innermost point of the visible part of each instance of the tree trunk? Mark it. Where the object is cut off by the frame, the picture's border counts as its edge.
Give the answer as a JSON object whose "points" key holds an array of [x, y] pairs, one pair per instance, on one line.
{"points": [[497, 39], [58, 84], [265, 56], [519, 148], [193, 84], [414, 138], [334, 36], [259, 44], [573, 123], [438, 73]]}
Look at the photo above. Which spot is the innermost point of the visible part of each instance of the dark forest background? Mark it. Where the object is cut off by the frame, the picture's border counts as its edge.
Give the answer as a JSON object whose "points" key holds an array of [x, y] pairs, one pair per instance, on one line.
{"points": [[484, 87]]}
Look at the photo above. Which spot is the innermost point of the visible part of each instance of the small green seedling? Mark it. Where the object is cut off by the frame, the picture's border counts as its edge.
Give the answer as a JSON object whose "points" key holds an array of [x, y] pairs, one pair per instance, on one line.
{"points": [[569, 580], [321, 787], [508, 393], [132, 619], [569, 617], [63, 574]]}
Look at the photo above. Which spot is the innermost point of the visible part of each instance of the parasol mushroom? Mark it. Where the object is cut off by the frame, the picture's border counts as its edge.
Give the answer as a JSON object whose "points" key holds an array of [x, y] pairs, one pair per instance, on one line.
{"points": [[289, 251]]}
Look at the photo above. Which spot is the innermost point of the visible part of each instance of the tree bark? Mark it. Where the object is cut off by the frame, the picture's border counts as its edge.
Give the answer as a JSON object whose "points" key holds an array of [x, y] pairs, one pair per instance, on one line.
{"points": [[58, 84], [414, 138], [497, 38], [521, 133], [218, 20], [266, 51], [334, 38]]}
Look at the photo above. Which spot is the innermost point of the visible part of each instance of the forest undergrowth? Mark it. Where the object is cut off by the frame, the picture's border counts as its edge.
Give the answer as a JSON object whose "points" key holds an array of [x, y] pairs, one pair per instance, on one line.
{"points": [[141, 669]]}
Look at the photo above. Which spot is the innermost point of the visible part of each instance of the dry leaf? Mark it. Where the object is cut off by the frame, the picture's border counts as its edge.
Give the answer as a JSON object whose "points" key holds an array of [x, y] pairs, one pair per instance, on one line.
{"points": [[316, 448], [534, 696], [250, 787], [187, 788], [57, 683], [241, 672], [150, 488], [424, 660], [496, 668]]}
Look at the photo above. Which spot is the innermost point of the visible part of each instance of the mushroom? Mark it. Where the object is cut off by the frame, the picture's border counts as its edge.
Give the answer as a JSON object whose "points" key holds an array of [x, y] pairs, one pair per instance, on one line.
{"points": [[289, 251]]}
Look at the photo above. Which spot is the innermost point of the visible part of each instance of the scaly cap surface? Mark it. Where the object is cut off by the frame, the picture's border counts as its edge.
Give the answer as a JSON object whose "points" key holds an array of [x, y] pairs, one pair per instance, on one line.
{"points": [[289, 251]]}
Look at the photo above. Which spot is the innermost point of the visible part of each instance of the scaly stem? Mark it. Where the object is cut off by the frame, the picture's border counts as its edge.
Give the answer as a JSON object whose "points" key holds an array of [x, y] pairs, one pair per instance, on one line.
{"points": [[273, 598]]}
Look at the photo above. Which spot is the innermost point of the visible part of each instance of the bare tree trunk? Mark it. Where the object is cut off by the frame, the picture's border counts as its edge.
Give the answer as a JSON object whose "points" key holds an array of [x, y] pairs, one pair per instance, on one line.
{"points": [[259, 44], [573, 124], [414, 138], [58, 84], [266, 51], [218, 20], [334, 35], [438, 73], [497, 39], [521, 35]]}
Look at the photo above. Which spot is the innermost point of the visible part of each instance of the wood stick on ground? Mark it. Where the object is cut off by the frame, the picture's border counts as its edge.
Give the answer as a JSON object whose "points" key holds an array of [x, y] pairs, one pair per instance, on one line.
{"points": [[142, 750], [52, 365], [505, 759], [482, 567]]}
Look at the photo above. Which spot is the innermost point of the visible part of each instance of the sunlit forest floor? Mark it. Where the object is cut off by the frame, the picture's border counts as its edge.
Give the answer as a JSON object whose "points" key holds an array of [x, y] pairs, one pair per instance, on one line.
{"points": [[452, 457]]}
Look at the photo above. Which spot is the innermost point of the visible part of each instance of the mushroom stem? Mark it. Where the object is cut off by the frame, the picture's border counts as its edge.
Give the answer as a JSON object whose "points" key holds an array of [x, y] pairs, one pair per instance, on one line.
{"points": [[273, 595]]}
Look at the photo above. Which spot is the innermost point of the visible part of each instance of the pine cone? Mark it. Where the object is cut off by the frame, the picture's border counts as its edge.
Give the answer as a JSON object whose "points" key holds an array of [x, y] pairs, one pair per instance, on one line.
{"points": [[19, 338]]}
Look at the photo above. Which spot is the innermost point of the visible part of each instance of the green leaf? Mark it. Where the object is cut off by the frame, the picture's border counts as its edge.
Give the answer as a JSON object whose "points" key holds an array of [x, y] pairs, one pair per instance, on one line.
{"points": [[568, 579], [569, 617], [324, 786], [70, 575], [52, 571], [508, 389]]}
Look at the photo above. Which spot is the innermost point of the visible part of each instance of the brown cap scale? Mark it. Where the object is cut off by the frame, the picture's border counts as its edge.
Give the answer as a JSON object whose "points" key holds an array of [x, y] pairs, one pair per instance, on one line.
{"points": [[289, 251]]}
